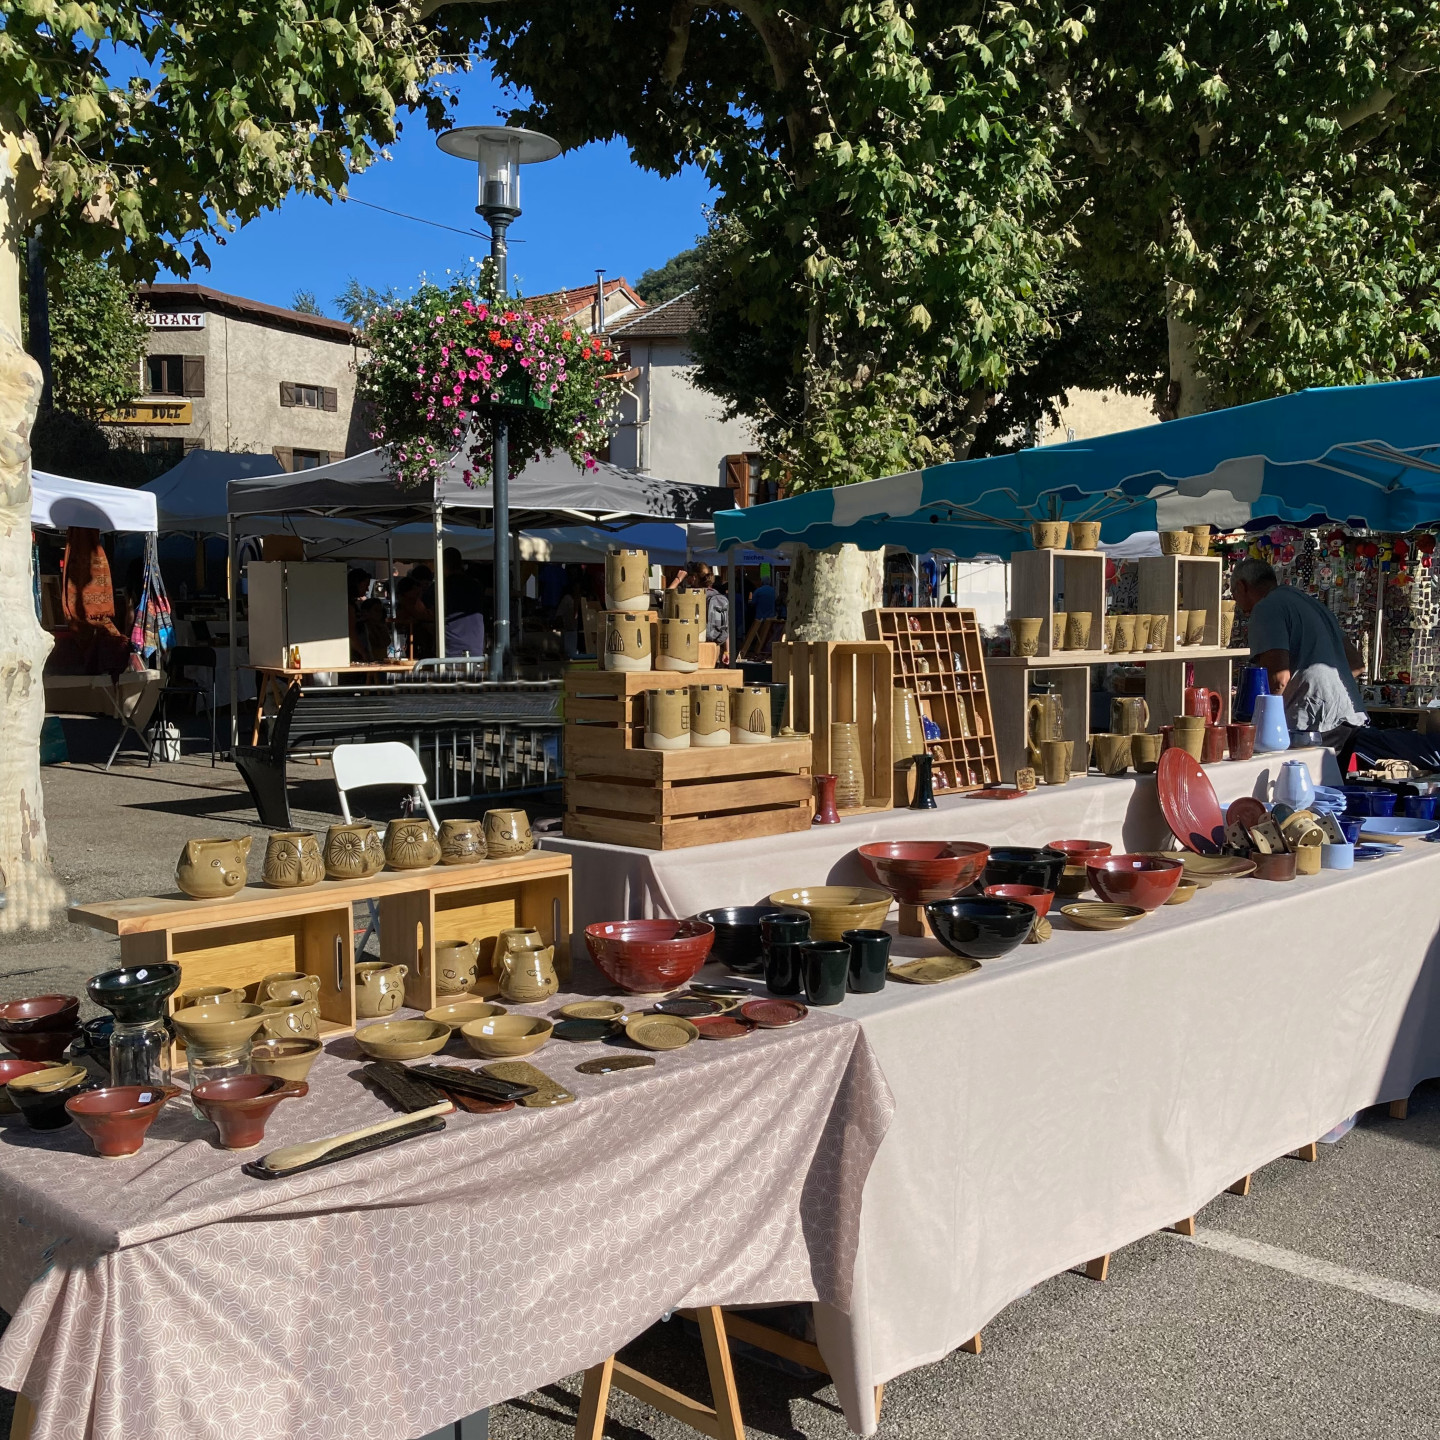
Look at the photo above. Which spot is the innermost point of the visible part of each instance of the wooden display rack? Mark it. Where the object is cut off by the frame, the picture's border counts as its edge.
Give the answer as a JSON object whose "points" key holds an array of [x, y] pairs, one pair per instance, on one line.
{"points": [[836, 682], [1045, 581], [937, 654], [670, 799], [238, 940], [1170, 583], [605, 709]]}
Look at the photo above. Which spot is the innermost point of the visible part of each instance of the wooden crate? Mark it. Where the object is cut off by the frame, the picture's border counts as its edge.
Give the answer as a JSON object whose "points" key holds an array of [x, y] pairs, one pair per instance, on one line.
{"points": [[605, 709], [670, 799], [937, 653], [1045, 581], [842, 683], [1169, 583]]}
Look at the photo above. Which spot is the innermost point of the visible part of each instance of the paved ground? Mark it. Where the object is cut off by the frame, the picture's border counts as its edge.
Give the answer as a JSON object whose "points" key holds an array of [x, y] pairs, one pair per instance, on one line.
{"points": [[1310, 1309]]}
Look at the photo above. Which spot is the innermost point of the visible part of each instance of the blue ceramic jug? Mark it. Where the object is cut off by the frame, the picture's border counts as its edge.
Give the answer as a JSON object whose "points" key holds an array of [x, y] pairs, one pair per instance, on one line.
{"points": [[1271, 731], [1293, 785], [1254, 682]]}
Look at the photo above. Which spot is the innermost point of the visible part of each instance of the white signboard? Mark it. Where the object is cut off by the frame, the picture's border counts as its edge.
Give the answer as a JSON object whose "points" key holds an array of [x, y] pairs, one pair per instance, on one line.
{"points": [[175, 319]]}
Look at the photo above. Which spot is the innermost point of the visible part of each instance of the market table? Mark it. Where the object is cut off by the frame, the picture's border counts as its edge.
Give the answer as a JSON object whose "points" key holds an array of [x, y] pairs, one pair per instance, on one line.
{"points": [[383, 1296], [616, 882]]}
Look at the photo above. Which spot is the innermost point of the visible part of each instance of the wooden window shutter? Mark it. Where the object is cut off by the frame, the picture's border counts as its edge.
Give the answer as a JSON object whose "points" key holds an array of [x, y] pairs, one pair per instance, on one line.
{"points": [[323, 456], [193, 381], [287, 396], [329, 400], [191, 445], [285, 454], [737, 478]]}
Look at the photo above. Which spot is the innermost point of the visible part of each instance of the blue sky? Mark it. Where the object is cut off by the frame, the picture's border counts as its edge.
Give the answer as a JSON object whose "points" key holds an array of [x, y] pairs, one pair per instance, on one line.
{"points": [[592, 207]]}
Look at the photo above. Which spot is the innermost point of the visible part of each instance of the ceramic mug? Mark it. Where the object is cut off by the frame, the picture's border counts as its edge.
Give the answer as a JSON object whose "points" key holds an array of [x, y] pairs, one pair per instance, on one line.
{"points": [[1145, 751], [1195, 627], [1175, 542], [461, 841], [667, 719], [1212, 747], [456, 967], [1124, 638], [1055, 758], [1111, 621], [710, 715], [507, 833], [627, 641], [1182, 625], [379, 988], [1025, 635], [1199, 539], [209, 995], [353, 851], [290, 1019], [1077, 630], [687, 605], [1240, 741], [1142, 634], [1227, 622], [1129, 713], [627, 580], [679, 645], [411, 844], [293, 860], [288, 985], [1058, 622], [1188, 734], [1049, 534], [1084, 534], [750, 715], [208, 869], [1159, 632], [1111, 753]]}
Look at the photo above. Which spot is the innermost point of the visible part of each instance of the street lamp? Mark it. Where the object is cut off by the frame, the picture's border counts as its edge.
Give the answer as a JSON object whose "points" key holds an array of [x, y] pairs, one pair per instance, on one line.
{"points": [[499, 151]]}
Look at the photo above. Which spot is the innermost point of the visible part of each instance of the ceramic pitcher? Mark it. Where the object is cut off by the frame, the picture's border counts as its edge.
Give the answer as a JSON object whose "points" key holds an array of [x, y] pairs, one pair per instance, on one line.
{"points": [[1254, 682], [379, 988], [627, 580], [525, 966], [1207, 704], [1044, 720], [208, 869], [1271, 731], [353, 851]]}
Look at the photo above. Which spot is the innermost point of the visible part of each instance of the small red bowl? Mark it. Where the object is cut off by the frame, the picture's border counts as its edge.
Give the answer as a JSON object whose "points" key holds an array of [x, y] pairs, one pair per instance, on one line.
{"points": [[1032, 895], [918, 871], [240, 1106], [38, 1013], [1147, 881], [117, 1116], [1079, 852], [648, 957]]}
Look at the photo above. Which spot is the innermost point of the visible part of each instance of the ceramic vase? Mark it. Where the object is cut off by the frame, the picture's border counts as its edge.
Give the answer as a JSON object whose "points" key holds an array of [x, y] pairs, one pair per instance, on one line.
{"points": [[845, 762], [1271, 731], [627, 580], [924, 796], [209, 869], [679, 645], [709, 715], [825, 811], [907, 733], [627, 641], [1254, 682], [293, 860], [667, 719], [411, 844]]}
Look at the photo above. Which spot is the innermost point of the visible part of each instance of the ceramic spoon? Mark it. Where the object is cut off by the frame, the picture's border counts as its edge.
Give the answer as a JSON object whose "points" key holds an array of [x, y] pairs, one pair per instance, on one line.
{"points": [[288, 1157]]}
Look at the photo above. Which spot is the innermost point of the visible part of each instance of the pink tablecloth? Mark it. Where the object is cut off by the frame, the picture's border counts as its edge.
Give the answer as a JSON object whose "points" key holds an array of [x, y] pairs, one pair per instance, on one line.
{"points": [[168, 1294]]}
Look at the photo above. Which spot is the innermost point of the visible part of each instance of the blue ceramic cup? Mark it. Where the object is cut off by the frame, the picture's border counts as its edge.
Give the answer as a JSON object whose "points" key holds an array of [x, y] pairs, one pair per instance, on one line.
{"points": [[1337, 857], [1382, 802], [1357, 800], [1421, 807], [1350, 828]]}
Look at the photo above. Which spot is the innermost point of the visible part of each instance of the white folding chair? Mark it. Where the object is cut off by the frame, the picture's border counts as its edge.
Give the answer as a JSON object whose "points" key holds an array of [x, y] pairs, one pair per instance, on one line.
{"points": [[386, 762]]}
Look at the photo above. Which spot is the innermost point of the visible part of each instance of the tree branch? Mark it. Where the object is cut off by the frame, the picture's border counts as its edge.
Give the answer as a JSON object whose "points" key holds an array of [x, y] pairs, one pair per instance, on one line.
{"points": [[674, 61], [1398, 76]]}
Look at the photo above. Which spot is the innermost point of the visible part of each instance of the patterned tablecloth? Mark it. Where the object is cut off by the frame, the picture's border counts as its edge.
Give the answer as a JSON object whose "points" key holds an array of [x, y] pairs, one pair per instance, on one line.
{"points": [[387, 1295]]}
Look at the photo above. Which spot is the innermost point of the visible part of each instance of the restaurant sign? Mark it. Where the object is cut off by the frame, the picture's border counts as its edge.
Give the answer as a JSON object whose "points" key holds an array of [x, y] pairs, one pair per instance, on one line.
{"points": [[175, 319], [151, 412]]}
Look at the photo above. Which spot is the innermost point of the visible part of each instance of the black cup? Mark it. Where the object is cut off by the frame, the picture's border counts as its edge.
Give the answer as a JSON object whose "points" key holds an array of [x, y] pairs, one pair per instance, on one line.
{"points": [[825, 963], [869, 958], [782, 934]]}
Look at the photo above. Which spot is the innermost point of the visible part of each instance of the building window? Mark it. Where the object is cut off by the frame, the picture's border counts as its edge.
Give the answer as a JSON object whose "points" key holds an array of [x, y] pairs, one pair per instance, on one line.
{"points": [[165, 448], [295, 396], [175, 375]]}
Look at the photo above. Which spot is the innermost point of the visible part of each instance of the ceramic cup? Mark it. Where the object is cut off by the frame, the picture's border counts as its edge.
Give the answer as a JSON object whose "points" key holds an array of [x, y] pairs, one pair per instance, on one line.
{"points": [[209, 995], [379, 988], [1025, 635], [1309, 858], [208, 869], [1338, 856], [1212, 747], [709, 715], [353, 851], [1227, 622], [1111, 621], [290, 1019], [1055, 758], [1182, 623], [825, 965], [1124, 637], [1077, 630], [507, 833], [627, 641], [1111, 753], [1058, 622], [1175, 542], [1159, 632], [288, 985], [667, 719], [1084, 534], [456, 967], [687, 605], [1142, 635], [411, 843], [1145, 752], [627, 580], [1128, 714], [1195, 627], [781, 936], [1049, 534], [461, 841], [750, 715], [1199, 539], [869, 960], [1188, 733], [293, 860], [1350, 828], [679, 645]]}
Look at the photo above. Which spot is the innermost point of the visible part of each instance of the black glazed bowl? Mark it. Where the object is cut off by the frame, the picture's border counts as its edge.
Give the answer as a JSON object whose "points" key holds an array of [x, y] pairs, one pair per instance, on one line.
{"points": [[1024, 865], [94, 1040], [737, 944], [980, 928], [134, 993], [45, 1109]]}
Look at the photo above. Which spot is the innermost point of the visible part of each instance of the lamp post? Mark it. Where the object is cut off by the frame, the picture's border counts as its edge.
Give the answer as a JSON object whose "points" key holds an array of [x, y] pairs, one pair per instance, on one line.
{"points": [[499, 151]]}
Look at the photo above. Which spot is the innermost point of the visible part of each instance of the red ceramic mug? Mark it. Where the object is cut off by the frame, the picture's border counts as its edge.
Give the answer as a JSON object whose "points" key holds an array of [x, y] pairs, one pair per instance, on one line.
{"points": [[1212, 744], [1205, 703], [1241, 741]]}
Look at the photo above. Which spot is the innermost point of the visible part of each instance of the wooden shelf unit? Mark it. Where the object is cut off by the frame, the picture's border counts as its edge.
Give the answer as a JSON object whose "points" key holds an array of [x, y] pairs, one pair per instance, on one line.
{"points": [[605, 709], [1045, 581], [1170, 583], [240, 939], [838, 682], [937, 653]]}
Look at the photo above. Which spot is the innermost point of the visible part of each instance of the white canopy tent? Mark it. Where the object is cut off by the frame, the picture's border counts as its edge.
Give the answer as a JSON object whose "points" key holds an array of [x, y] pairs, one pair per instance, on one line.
{"points": [[57, 503]]}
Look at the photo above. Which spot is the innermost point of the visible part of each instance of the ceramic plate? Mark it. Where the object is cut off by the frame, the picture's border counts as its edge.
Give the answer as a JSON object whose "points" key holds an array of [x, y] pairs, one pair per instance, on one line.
{"points": [[1398, 825], [720, 1027], [690, 1006], [997, 792], [1189, 803], [609, 1064], [1375, 852], [933, 969], [1099, 915], [580, 1031], [593, 1010], [661, 1032], [1246, 811], [1205, 868], [773, 1014]]}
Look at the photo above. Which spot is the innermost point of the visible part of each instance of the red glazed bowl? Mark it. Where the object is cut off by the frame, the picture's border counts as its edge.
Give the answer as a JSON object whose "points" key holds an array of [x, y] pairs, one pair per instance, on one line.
{"points": [[1080, 852], [9, 1069], [1032, 895], [918, 871], [1146, 881], [40, 1012], [241, 1105], [648, 957], [117, 1116]]}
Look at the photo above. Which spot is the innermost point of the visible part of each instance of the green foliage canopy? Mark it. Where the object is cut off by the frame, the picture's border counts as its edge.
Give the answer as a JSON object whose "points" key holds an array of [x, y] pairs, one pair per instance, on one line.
{"points": [[98, 336], [677, 275]]}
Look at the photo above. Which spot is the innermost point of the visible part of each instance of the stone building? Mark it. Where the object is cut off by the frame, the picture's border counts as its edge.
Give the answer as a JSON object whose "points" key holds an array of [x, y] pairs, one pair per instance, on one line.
{"points": [[226, 373]]}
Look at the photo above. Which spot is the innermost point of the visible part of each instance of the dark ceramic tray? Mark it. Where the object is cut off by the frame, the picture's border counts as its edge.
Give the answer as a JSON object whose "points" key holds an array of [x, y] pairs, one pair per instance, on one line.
{"points": [[381, 1141]]}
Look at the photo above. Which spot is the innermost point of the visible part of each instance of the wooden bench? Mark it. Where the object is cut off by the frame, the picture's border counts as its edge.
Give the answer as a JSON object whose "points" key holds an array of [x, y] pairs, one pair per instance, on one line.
{"points": [[446, 718]]}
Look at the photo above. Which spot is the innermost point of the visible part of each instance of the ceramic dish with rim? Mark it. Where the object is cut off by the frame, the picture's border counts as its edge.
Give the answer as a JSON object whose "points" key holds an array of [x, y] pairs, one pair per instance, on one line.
{"points": [[649, 957], [836, 908], [288, 1059], [117, 1117], [10, 1067], [593, 1010], [461, 1012], [402, 1039], [1080, 852], [721, 1027], [1395, 826], [1189, 803], [661, 1032], [1205, 868], [1145, 881], [773, 1014], [997, 792], [40, 1095], [918, 871], [507, 1037], [1246, 811], [1184, 891], [976, 928], [1373, 852], [1101, 915], [218, 1027], [135, 993]]}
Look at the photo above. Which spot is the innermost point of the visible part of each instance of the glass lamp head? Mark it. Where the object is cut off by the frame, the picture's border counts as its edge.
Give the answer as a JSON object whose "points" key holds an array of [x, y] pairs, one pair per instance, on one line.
{"points": [[498, 151]]}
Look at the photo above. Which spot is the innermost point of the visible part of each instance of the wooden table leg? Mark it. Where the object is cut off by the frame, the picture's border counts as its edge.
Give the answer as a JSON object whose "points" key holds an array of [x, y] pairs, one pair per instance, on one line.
{"points": [[1240, 1187], [594, 1399], [1099, 1268], [1399, 1109], [1307, 1152], [1184, 1227], [724, 1397], [974, 1345], [23, 1420], [879, 1400]]}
